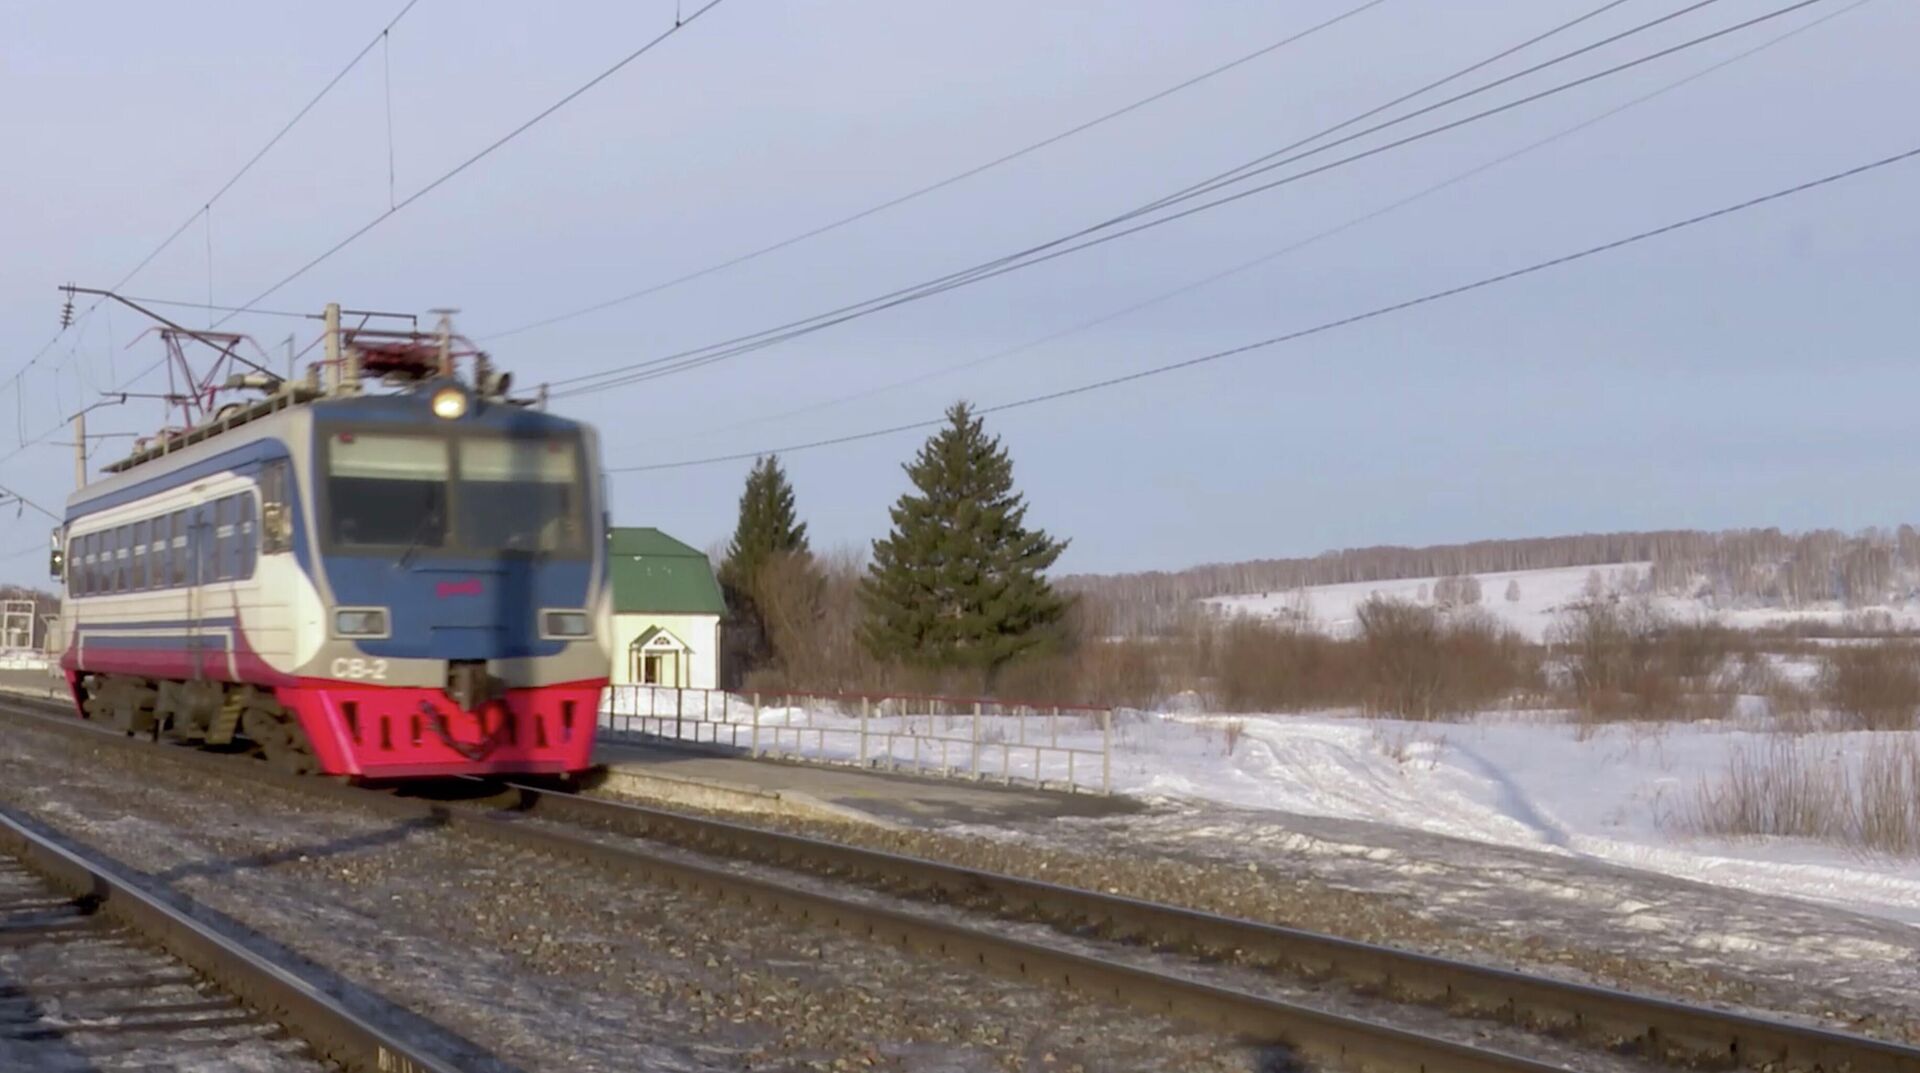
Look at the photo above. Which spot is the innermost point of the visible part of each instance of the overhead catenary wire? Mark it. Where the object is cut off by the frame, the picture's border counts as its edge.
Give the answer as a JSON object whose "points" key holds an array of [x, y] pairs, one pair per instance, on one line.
{"points": [[1457, 74], [698, 357], [951, 180], [1461, 73], [470, 161], [1302, 243], [249, 306], [207, 203], [1317, 329]]}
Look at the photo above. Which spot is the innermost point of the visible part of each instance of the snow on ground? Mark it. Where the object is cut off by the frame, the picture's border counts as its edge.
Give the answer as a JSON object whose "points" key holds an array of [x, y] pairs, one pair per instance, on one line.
{"points": [[1543, 596], [1617, 794]]}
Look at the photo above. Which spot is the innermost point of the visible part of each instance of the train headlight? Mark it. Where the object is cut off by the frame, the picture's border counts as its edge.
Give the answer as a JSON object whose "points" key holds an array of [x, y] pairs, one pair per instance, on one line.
{"points": [[360, 622], [449, 402], [565, 624]]}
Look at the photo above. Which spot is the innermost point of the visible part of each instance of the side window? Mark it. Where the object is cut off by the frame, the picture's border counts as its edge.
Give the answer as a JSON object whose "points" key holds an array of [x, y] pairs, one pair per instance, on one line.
{"points": [[82, 565], [276, 508], [225, 518], [122, 538], [137, 561], [181, 547], [248, 535], [205, 546], [161, 554]]}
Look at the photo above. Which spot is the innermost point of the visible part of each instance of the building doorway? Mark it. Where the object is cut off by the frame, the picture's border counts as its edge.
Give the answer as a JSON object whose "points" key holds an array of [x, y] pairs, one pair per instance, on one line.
{"points": [[658, 668], [658, 658]]}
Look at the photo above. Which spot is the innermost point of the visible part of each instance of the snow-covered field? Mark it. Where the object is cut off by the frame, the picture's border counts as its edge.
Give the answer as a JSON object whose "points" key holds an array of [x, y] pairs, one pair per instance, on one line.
{"points": [[1620, 794], [1542, 596]]}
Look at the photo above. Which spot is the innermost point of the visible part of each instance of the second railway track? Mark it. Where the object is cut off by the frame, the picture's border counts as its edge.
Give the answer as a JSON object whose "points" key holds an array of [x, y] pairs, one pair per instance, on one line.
{"points": [[100, 973], [1600, 1019]]}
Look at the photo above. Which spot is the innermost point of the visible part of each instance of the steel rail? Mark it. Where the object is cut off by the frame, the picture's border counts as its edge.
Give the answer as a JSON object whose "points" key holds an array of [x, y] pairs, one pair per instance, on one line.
{"points": [[335, 1033], [1620, 1021], [1319, 1036], [1663, 1029]]}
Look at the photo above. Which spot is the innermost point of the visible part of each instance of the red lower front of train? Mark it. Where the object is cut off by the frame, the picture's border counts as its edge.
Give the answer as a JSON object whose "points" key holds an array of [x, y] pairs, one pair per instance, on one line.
{"points": [[395, 732], [392, 732]]}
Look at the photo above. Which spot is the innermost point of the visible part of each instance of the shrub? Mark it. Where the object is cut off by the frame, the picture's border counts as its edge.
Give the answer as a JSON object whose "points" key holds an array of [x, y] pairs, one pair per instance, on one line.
{"points": [[1796, 788], [1624, 661], [1416, 663], [1875, 686]]}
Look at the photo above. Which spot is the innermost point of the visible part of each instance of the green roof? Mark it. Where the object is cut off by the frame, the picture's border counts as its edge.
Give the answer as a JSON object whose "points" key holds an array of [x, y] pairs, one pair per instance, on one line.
{"points": [[651, 571]]}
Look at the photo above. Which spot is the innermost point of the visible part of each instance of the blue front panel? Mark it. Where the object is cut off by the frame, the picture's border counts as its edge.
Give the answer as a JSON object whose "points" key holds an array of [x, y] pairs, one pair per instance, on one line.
{"points": [[459, 608]]}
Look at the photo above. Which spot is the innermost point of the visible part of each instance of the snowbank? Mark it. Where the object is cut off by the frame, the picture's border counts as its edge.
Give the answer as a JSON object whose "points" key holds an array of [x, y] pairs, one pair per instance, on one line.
{"points": [[1618, 794]]}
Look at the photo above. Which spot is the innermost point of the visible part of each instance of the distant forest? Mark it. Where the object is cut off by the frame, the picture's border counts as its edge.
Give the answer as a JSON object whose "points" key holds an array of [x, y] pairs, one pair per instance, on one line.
{"points": [[1732, 568]]}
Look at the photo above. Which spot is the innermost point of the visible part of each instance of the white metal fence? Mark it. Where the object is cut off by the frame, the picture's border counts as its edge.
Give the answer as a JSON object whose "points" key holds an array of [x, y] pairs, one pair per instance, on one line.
{"points": [[1065, 747]]}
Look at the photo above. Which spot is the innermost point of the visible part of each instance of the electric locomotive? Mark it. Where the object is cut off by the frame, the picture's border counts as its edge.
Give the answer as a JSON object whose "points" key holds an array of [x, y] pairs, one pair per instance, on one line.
{"points": [[397, 583]]}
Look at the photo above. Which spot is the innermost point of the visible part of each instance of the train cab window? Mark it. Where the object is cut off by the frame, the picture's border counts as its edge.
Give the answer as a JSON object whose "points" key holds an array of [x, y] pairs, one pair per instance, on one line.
{"points": [[93, 564], [137, 558], [178, 529], [387, 491], [520, 494], [81, 565]]}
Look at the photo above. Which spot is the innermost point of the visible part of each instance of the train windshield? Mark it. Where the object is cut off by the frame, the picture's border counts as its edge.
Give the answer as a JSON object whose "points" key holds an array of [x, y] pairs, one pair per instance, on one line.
{"points": [[469, 493]]}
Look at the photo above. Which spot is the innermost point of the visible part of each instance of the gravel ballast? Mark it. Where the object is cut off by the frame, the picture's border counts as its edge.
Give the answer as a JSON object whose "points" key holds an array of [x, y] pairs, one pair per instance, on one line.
{"points": [[1560, 916], [552, 964]]}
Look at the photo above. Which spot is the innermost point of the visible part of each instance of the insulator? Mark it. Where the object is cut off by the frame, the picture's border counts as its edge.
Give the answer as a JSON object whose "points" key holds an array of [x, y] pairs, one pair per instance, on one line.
{"points": [[66, 314]]}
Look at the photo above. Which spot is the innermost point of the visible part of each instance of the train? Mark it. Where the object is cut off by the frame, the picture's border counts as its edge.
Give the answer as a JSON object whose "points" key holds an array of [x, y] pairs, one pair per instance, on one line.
{"points": [[398, 584]]}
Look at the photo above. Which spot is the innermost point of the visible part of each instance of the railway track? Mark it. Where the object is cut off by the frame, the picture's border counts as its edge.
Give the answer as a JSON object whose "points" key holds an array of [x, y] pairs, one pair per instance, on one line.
{"points": [[1602, 1019], [99, 973]]}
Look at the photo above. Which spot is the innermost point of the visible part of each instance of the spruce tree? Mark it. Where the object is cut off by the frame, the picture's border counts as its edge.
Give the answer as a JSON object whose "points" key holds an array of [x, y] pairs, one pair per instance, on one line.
{"points": [[768, 526], [768, 530], [960, 580]]}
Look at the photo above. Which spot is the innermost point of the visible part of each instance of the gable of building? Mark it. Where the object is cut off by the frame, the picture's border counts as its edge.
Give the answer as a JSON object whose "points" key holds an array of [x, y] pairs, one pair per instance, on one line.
{"points": [[652, 573]]}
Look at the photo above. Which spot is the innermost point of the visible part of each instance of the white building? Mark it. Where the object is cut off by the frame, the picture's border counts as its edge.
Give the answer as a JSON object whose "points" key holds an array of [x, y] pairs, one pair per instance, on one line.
{"points": [[666, 611]]}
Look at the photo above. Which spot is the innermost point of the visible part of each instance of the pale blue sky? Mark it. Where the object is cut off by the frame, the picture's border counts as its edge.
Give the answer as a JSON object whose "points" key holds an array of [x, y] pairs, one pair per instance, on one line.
{"points": [[1754, 371]]}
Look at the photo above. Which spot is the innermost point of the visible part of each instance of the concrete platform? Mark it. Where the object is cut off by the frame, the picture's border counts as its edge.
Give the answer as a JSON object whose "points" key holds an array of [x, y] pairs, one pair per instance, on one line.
{"points": [[44, 684], [707, 779]]}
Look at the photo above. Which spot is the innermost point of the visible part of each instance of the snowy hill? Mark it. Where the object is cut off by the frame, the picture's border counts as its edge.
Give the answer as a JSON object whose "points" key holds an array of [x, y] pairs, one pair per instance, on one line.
{"points": [[1541, 596]]}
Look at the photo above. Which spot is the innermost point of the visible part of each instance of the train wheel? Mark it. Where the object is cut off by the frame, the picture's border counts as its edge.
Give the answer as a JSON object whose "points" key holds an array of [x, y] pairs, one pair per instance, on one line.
{"points": [[281, 741]]}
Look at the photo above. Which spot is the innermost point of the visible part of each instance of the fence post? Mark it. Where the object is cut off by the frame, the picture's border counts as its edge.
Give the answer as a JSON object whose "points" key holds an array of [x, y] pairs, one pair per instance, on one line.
{"points": [[975, 739], [1106, 751], [679, 710], [865, 701], [755, 738], [1053, 727]]}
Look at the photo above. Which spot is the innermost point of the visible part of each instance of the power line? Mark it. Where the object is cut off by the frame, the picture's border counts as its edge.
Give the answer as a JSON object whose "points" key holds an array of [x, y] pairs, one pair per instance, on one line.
{"points": [[9, 494], [950, 180], [1300, 244], [248, 307], [1327, 326], [958, 277], [682, 361], [474, 159], [207, 204]]}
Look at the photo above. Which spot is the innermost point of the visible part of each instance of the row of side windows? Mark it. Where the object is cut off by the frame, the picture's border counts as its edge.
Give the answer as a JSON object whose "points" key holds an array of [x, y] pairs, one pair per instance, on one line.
{"points": [[217, 541]]}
